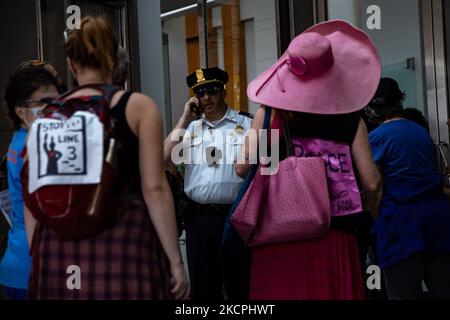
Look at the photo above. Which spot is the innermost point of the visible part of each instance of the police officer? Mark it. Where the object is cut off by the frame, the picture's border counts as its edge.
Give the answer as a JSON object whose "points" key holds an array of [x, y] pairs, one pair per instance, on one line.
{"points": [[215, 132]]}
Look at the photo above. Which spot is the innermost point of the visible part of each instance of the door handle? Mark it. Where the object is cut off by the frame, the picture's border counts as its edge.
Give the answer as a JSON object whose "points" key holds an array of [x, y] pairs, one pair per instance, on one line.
{"points": [[441, 147], [446, 170]]}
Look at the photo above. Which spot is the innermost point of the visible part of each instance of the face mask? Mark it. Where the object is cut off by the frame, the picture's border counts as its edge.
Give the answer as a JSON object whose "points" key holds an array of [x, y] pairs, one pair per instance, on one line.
{"points": [[35, 111]]}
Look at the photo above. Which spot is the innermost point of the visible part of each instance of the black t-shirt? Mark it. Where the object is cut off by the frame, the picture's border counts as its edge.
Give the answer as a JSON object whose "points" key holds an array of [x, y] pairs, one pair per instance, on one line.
{"points": [[128, 155], [339, 128]]}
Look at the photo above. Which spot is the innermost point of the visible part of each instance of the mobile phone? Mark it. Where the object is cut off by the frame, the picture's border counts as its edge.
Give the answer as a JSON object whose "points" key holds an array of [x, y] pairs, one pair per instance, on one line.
{"points": [[197, 108]]}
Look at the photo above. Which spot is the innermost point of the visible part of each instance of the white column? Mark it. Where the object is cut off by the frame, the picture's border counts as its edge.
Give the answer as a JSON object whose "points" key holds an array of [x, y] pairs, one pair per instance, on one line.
{"points": [[266, 49], [345, 9], [179, 91], [150, 52]]}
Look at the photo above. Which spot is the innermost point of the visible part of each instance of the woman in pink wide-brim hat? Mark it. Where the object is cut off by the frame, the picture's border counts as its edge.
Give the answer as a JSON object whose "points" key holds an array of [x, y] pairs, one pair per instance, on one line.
{"points": [[318, 88]]}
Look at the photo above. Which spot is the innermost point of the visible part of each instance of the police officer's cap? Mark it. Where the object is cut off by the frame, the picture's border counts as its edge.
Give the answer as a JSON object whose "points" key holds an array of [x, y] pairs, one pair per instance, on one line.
{"points": [[207, 77]]}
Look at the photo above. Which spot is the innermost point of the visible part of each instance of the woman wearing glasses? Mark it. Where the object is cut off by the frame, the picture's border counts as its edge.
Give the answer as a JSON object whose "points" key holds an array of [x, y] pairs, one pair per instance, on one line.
{"points": [[29, 87]]}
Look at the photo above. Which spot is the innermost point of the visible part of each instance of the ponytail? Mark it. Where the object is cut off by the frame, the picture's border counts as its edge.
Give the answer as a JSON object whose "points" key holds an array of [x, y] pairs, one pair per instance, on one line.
{"points": [[94, 45]]}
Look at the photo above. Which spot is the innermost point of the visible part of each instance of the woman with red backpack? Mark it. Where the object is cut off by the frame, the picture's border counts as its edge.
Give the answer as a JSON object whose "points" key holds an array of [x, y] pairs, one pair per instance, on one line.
{"points": [[137, 255]]}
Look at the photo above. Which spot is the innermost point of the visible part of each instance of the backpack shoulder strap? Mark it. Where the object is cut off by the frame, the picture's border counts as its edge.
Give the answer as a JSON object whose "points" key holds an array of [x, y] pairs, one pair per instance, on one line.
{"points": [[108, 90]]}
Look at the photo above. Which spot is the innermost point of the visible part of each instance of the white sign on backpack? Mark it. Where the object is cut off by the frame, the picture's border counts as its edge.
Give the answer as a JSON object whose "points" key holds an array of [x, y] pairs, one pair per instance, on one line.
{"points": [[65, 152]]}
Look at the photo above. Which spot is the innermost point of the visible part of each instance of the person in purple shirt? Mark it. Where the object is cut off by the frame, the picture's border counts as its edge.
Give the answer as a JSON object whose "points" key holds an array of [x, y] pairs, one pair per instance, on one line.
{"points": [[28, 88]]}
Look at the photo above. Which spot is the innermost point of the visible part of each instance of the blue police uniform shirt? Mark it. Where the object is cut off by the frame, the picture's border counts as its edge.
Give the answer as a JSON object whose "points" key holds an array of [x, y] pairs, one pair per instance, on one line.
{"points": [[414, 214], [16, 263]]}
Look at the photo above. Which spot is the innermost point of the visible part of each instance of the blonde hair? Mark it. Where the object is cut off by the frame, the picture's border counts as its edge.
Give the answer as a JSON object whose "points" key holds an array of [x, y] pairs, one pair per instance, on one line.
{"points": [[94, 45]]}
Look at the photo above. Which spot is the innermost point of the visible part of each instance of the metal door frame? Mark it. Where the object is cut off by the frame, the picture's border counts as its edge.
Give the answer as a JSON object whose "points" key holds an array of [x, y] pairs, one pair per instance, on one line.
{"points": [[39, 30], [123, 16], [434, 54], [295, 16]]}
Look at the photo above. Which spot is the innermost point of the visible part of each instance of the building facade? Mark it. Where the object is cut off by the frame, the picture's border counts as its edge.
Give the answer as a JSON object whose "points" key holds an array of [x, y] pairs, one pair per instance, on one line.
{"points": [[167, 39]]}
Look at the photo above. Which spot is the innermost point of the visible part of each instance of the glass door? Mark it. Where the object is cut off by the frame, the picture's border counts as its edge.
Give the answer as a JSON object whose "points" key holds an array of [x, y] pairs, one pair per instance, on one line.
{"points": [[444, 112], [53, 19], [436, 31], [414, 52], [399, 44]]}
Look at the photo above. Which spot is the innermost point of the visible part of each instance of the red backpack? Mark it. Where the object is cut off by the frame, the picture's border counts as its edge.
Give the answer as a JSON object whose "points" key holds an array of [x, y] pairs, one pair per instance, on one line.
{"points": [[69, 175]]}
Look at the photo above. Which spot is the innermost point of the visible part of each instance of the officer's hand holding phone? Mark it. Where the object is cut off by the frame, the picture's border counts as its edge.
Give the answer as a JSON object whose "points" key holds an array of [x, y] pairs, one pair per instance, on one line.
{"points": [[192, 109]]}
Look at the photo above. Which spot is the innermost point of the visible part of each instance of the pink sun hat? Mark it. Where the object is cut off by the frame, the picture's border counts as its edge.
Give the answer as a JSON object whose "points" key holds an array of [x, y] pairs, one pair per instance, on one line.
{"points": [[331, 68]]}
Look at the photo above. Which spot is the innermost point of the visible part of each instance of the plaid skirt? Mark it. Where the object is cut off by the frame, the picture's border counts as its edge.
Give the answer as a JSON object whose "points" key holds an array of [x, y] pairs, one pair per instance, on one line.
{"points": [[125, 262]]}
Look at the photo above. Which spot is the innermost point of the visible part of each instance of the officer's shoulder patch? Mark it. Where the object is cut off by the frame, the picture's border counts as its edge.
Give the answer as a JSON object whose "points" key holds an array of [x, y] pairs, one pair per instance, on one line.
{"points": [[246, 114]]}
